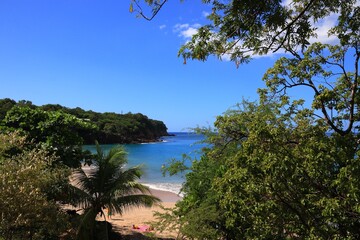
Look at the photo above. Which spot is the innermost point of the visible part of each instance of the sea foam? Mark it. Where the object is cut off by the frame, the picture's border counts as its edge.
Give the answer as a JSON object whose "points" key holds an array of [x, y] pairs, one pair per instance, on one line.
{"points": [[168, 187]]}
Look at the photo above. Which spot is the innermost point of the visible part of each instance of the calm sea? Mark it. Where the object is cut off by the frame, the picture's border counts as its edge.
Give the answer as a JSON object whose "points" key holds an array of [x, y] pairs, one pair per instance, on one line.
{"points": [[152, 156]]}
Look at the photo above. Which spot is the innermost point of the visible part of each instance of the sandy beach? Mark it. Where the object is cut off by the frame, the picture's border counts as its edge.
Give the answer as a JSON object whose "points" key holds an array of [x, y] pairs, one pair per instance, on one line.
{"points": [[123, 224], [141, 216]]}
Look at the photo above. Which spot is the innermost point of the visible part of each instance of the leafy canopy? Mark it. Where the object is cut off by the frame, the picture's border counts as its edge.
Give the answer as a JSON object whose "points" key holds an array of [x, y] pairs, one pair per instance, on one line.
{"points": [[285, 176], [277, 170], [107, 128], [240, 29], [57, 132], [243, 28], [271, 171]]}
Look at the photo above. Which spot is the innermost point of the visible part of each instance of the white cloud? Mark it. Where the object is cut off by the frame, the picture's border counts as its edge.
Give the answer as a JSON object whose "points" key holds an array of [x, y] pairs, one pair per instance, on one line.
{"points": [[162, 26], [205, 14], [178, 27], [323, 27], [188, 33], [227, 56], [186, 30]]}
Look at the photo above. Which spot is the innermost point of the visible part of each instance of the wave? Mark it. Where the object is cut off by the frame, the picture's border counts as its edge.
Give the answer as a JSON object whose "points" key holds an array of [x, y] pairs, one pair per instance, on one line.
{"points": [[168, 187]]}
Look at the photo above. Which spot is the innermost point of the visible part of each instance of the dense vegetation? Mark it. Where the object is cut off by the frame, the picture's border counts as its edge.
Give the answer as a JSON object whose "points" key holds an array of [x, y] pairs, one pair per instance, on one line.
{"points": [[40, 148], [274, 169], [110, 127], [30, 189], [57, 132], [36, 191], [278, 168]]}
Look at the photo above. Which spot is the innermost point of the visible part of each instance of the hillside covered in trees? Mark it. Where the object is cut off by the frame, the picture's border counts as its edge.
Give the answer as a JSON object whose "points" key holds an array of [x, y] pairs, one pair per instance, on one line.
{"points": [[110, 127]]}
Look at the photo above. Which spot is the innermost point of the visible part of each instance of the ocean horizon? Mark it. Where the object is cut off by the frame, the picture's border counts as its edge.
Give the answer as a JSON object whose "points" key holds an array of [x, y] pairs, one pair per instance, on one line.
{"points": [[155, 155]]}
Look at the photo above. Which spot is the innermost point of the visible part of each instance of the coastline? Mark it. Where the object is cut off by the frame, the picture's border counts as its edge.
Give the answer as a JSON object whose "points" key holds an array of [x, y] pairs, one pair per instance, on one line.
{"points": [[142, 216], [165, 196]]}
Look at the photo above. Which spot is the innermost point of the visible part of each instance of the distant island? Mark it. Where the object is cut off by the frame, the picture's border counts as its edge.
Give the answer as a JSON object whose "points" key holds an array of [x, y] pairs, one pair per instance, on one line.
{"points": [[111, 128]]}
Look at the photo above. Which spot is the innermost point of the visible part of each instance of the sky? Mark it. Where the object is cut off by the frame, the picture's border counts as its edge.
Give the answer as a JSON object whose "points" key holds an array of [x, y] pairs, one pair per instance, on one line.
{"points": [[98, 56]]}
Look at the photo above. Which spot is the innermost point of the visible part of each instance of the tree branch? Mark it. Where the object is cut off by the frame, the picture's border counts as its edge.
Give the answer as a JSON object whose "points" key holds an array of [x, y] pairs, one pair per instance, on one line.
{"points": [[354, 89], [156, 9], [287, 28]]}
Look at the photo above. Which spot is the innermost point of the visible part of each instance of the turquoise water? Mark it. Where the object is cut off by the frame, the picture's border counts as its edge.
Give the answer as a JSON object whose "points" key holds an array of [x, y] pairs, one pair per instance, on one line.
{"points": [[152, 156]]}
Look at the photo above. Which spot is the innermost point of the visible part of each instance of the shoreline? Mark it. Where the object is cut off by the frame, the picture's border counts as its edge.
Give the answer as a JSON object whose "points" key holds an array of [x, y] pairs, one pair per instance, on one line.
{"points": [[165, 196], [169, 190], [135, 141], [142, 216]]}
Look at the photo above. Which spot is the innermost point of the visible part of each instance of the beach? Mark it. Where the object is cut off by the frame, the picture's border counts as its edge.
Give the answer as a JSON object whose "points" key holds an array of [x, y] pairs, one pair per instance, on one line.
{"points": [[153, 157], [140, 217]]}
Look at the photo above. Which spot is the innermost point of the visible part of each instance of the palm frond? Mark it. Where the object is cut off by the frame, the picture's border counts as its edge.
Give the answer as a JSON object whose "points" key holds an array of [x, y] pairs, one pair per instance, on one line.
{"points": [[110, 185], [119, 204], [84, 180], [138, 187], [117, 156], [78, 197], [124, 180], [99, 156]]}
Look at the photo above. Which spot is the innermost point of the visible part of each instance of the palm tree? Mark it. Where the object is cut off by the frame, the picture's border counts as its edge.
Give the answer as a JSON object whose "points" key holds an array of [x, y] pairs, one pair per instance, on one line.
{"points": [[108, 185]]}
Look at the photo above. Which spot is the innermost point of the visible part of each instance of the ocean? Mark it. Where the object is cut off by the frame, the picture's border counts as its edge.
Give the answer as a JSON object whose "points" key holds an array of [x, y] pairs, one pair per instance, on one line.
{"points": [[152, 156]]}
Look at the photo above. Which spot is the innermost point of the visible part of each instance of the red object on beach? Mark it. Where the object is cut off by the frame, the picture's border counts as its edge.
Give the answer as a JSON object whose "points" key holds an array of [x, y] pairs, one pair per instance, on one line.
{"points": [[143, 228]]}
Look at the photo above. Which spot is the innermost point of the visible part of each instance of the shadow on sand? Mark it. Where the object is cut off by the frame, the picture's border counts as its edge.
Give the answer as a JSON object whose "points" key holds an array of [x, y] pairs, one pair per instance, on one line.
{"points": [[134, 235]]}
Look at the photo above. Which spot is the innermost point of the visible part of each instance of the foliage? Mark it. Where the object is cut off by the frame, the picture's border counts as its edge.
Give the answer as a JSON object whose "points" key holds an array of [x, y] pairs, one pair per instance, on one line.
{"points": [[110, 127], [287, 177], [25, 208], [11, 144], [272, 174], [244, 28], [120, 128], [5, 105], [165, 220], [55, 131], [240, 29], [322, 70], [282, 171], [107, 184], [197, 215]]}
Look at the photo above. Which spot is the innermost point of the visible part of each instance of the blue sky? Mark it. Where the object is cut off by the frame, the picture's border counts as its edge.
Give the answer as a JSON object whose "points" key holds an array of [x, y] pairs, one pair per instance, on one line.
{"points": [[98, 56]]}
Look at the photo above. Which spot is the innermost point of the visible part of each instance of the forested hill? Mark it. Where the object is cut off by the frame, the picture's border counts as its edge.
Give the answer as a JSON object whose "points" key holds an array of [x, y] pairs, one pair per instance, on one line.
{"points": [[111, 127]]}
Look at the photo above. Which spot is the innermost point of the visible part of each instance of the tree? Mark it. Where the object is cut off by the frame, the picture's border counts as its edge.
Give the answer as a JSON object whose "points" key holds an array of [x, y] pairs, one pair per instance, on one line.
{"points": [[286, 171], [26, 211], [5, 105], [58, 132], [285, 176], [322, 69], [108, 185], [272, 174], [108, 128], [197, 215], [240, 29], [243, 28]]}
